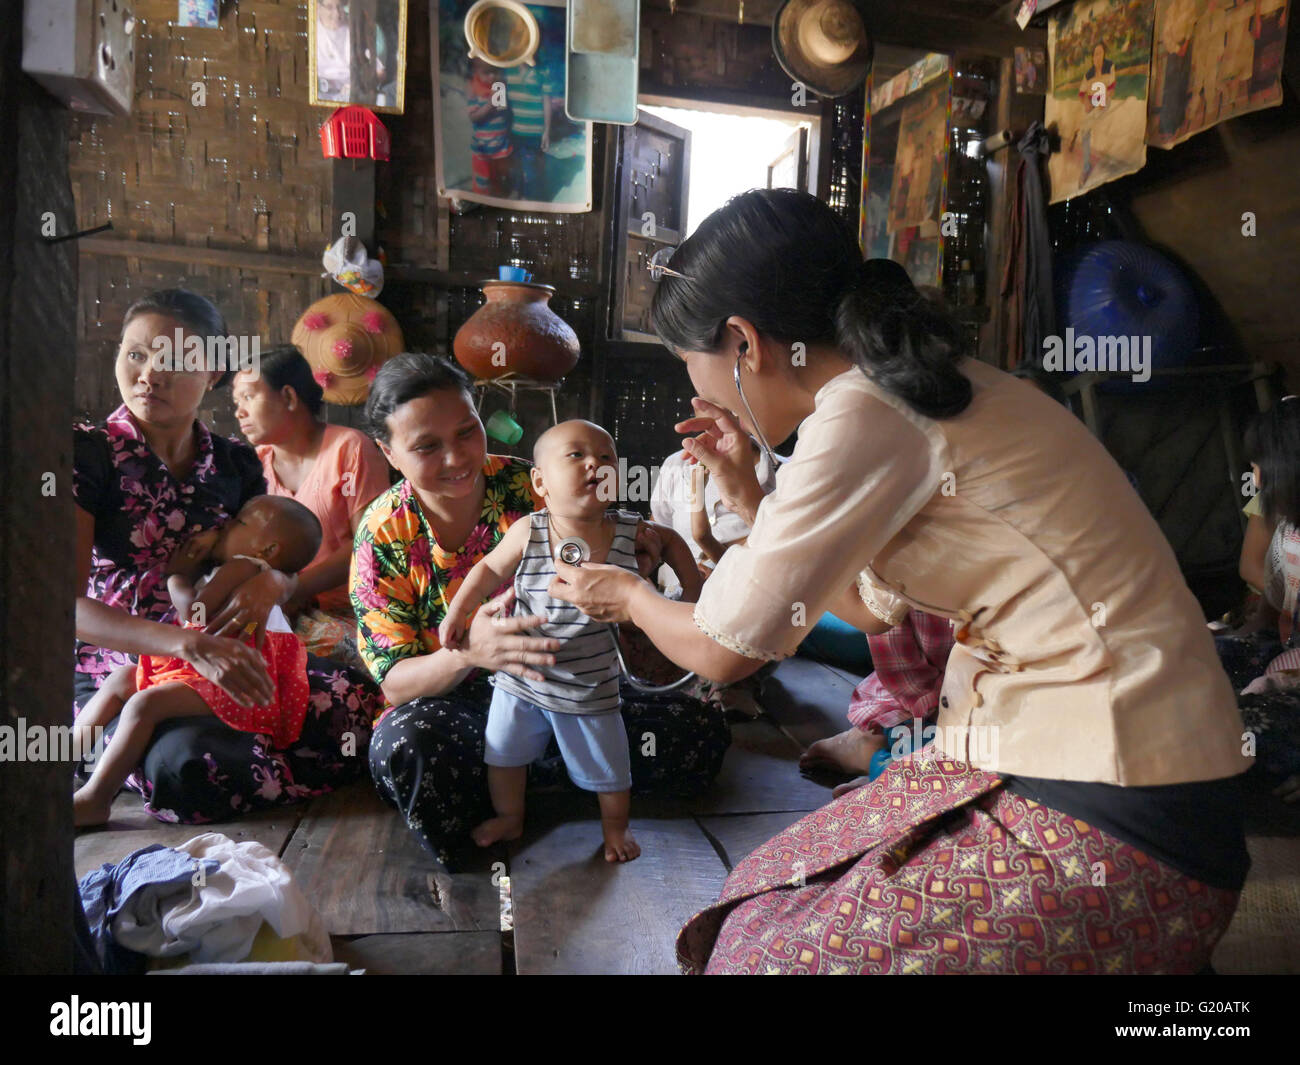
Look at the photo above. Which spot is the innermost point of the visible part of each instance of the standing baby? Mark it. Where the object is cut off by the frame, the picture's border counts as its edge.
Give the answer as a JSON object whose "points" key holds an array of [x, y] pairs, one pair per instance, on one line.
{"points": [[577, 700]]}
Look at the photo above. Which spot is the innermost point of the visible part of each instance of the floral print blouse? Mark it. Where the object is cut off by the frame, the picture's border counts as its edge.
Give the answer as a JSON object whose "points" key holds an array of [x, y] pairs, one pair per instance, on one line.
{"points": [[143, 514], [402, 580]]}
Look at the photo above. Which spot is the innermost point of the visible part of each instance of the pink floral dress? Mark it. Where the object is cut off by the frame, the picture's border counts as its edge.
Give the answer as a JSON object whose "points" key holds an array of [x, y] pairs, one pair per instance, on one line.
{"points": [[197, 769]]}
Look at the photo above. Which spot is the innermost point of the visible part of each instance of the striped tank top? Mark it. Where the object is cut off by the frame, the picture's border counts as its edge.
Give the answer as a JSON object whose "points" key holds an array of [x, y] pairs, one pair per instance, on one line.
{"points": [[584, 679]]}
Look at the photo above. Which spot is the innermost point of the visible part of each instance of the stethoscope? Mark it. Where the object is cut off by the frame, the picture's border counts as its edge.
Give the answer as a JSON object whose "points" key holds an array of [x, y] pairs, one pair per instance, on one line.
{"points": [[762, 438], [574, 551]]}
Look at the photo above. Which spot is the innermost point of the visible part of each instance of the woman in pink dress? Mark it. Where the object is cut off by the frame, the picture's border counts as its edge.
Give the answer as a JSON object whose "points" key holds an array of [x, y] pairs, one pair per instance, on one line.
{"points": [[332, 470]]}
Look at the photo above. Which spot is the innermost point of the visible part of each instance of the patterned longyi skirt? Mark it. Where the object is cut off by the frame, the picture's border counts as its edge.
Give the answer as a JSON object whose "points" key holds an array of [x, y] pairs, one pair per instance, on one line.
{"points": [[937, 867]]}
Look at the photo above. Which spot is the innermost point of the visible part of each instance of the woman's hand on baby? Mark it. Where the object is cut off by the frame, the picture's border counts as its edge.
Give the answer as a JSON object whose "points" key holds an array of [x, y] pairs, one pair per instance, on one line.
{"points": [[246, 611], [602, 592], [494, 640], [721, 445], [232, 666], [451, 633]]}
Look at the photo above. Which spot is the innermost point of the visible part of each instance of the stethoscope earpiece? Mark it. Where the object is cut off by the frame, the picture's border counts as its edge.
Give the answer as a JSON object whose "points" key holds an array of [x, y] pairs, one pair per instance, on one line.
{"points": [[762, 437]]}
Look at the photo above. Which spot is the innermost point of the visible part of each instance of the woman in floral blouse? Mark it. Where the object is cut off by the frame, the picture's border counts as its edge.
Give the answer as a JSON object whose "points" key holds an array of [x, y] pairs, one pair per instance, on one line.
{"points": [[146, 480], [414, 547]]}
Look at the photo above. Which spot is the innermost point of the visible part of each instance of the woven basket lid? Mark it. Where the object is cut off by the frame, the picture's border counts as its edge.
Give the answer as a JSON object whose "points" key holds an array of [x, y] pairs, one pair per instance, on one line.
{"points": [[346, 338]]}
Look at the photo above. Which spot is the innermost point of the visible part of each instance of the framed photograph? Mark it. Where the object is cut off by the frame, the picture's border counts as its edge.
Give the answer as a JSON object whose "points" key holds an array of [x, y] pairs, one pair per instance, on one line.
{"points": [[906, 146], [921, 158], [1031, 71], [501, 135], [356, 52], [205, 14]]}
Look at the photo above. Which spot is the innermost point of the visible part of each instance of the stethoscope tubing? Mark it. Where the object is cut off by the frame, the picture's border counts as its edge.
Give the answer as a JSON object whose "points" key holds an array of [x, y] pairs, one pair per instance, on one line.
{"points": [[762, 437], [575, 551]]}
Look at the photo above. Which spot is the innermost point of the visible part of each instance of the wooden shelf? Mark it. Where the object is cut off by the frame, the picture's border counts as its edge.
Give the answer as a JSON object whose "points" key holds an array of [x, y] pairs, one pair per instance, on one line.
{"points": [[405, 273], [263, 261]]}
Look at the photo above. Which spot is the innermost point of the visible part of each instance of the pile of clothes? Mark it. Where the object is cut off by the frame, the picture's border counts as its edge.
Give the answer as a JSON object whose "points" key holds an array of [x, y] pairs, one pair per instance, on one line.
{"points": [[209, 901]]}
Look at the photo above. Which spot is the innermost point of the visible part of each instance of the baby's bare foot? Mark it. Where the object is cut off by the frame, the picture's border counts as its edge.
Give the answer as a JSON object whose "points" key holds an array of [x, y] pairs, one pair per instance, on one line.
{"points": [[494, 829], [88, 809], [620, 844]]}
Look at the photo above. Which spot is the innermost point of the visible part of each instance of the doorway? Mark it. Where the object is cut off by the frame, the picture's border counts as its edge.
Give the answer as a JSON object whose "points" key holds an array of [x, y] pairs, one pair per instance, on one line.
{"points": [[738, 149]]}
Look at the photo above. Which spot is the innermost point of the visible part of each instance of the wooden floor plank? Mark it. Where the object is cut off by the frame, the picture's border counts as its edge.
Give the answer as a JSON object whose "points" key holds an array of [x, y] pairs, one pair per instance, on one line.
{"points": [[1262, 937], [807, 699], [423, 953], [760, 774], [576, 913], [738, 834], [367, 874], [130, 828]]}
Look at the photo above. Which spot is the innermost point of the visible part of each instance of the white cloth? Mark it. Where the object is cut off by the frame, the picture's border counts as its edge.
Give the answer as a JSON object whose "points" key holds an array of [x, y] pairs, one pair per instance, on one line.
{"points": [[1283, 567], [333, 52], [670, 505], [220, 917], [275, 620]]}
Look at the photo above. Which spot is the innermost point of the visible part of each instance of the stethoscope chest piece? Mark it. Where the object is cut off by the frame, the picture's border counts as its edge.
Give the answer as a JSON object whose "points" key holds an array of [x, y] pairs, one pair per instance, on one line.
{"points": [[573, 551]]}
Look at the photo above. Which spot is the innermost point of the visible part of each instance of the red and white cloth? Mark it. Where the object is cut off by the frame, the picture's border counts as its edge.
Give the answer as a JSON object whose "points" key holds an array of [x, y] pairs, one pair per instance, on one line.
{"points": [[909, 662], [286, 661]]}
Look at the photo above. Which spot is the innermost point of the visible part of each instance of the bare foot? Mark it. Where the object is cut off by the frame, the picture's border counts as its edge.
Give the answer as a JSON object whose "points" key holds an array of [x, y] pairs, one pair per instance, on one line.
{"points": [[848, 752], [620, 845], [508, 826], [88, 810], [852, 785]]}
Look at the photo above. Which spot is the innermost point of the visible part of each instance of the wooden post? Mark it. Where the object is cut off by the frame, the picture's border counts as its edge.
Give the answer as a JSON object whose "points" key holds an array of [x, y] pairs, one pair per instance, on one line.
{"points": [[1014, 111], [38, 314], [353, 194]]}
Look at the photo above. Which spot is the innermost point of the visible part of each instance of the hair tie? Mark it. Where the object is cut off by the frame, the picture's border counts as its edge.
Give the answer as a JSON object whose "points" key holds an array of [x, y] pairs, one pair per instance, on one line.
{"points": [[889, 284]]}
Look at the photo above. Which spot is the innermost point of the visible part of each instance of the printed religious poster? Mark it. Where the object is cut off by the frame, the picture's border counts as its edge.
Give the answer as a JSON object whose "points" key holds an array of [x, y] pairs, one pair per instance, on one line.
{"points": [[1214, 60], [921, 160], [1100, 57]]}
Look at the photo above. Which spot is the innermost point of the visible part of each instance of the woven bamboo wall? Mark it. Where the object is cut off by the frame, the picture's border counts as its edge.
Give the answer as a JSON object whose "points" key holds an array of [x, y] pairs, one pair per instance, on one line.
{"points": [[243, 171], [411, 223]]}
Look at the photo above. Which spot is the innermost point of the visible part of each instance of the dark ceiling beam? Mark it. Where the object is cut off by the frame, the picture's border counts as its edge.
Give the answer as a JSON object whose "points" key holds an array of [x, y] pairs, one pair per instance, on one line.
{"points": [[928, 25], [935, 28], [1007, 12]]}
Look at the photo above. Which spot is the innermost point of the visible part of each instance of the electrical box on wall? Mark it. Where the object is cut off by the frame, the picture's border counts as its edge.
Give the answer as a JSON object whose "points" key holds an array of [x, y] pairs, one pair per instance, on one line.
{"points": [[82, 51]]}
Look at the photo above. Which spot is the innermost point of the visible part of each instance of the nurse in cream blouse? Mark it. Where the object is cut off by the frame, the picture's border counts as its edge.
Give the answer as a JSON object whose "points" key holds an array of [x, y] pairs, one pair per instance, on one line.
{"points": [[1089, 742]]}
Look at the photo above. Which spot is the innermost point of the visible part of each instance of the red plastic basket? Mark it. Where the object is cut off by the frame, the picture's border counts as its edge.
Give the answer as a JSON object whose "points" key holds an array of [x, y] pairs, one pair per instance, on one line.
{"points": [[354, 133]]}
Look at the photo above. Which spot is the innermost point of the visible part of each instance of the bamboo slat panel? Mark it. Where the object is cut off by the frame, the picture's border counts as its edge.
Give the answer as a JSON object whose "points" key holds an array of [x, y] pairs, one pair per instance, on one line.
{"points": [[221, 151]]}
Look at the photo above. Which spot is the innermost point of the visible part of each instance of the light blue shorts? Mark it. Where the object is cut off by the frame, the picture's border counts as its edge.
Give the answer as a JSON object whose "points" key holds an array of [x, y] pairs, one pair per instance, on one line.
{"points": [[594, 746]]}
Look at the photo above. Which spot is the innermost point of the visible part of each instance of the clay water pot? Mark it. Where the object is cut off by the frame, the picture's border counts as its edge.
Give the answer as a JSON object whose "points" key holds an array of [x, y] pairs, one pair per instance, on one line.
{"points": [[516, 332]]}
